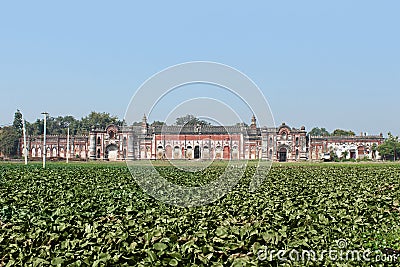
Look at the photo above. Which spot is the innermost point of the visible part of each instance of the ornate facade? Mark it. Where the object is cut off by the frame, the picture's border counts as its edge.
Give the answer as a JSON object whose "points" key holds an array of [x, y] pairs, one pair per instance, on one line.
{"points": [[205, 142], [350, 147]]}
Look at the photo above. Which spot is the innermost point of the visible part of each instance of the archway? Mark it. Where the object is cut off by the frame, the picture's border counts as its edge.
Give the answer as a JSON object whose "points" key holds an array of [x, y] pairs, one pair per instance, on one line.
{"points": [[189, 152], [168, 152], [197, 152], [160, 152], [218, 152], [235, 152], [177, 152], [227, 152], [111, 152], [361, 152], [206, 152], [282, 154]]}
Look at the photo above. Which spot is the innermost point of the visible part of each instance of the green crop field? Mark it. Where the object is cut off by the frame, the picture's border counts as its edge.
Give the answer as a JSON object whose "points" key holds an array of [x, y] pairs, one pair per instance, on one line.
{"points": [[97, 215]]}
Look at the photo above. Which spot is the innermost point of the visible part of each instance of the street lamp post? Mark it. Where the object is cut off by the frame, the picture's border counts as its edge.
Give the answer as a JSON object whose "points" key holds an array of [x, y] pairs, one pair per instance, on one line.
{"points": [[25, 151], [67, 156], [44, 139]]}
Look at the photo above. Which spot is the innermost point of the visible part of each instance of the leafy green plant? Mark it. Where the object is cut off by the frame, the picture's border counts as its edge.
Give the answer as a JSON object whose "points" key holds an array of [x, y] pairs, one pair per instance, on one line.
{"points": [[96, 215]]}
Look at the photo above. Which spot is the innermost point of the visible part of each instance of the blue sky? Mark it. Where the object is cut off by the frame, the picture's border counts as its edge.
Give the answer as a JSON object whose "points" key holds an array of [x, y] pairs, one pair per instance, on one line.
{"points": [[332, 64]]}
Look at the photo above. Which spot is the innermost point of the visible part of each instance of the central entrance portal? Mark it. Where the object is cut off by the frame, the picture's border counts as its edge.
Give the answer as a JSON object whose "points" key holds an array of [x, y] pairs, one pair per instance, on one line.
{"points": [[283, 155]]}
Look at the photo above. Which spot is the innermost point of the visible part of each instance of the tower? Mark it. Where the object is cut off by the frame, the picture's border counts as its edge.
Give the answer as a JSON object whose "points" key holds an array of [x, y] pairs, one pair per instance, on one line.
{"points": [[145, 126], [253, 124]]}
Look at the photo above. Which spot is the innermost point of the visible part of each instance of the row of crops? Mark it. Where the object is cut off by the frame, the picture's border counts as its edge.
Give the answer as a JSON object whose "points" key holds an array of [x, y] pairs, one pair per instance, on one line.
{"points": [[96, 215]]}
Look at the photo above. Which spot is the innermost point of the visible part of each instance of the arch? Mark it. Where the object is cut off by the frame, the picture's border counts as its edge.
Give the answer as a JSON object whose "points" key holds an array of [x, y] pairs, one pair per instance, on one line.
{"points": [[168, 152], [177, 152], [282, 154], [98, 153], [270, 154], [218, 152], [39, 152], [361, 151], [111, 134], [111, 152], [189, 152], [227, 152], [297, 141], [206, 152], [235, 152], [297, 154], [98, 140], [54, 152], [160, 152], [33, 152], [124, 153], [197, 153]]}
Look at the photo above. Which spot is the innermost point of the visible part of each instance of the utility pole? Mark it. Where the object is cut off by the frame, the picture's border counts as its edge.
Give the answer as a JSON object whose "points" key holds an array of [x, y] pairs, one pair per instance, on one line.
{"points": [[25, 151], [44, 139], [67, 143]]}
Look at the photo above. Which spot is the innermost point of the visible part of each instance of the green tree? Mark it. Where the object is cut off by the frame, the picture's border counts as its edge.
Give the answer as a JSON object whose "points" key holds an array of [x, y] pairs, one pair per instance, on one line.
{"points": [[97, 119], [9, 139], [340, 132], [318, 132], [190, 120], [10, 135], [390, 149], [17, 123], [158, 123], [374, 148]]}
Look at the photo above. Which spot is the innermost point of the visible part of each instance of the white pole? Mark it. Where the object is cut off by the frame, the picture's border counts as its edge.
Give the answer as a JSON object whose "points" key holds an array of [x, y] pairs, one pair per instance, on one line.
{"points": [[67, 144], [25, 151], [44, 139]]}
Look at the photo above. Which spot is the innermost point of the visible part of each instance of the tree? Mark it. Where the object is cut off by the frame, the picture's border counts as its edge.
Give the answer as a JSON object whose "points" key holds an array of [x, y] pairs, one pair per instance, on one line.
{"points": [[318, 132], [190, 120], [9, 139], [390, 149], [98, 120], [9, 136], [340, 132], [158, 123], [374, 148], [17, 123]]}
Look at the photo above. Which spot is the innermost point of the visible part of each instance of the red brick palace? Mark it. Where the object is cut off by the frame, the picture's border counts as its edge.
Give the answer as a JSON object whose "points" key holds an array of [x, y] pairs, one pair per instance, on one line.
{"points": [[205, 142]]}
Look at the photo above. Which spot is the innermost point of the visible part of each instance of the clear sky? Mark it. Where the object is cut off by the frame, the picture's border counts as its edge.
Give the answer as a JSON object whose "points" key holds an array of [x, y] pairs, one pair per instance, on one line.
{"points": [[333, 64]]}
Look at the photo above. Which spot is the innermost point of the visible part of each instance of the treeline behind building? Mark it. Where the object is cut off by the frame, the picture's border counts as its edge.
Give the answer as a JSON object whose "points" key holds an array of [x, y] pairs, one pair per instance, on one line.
{"points": [[10, 135]]}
